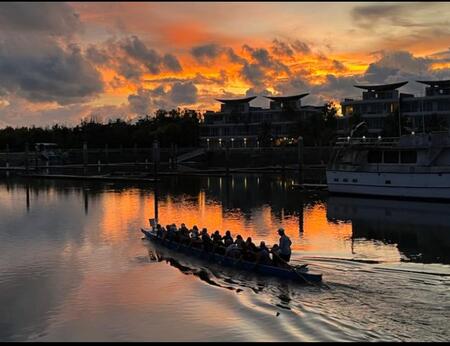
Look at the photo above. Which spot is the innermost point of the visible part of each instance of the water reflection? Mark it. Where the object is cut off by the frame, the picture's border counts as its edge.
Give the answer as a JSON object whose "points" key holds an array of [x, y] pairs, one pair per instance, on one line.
{"points": [[73, 266], [421, 230]]}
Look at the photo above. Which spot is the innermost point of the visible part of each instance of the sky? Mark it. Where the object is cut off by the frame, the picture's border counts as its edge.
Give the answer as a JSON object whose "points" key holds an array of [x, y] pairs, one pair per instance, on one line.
{"points": [[64, 62]]}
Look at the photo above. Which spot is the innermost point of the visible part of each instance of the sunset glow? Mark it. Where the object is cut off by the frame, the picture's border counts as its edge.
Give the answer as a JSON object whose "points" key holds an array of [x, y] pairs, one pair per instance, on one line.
{"points": [[169, 55]]}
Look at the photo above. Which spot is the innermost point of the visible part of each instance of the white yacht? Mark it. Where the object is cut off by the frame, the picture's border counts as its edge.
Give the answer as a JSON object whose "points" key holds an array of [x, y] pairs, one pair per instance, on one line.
{"points": [[411, 166]]}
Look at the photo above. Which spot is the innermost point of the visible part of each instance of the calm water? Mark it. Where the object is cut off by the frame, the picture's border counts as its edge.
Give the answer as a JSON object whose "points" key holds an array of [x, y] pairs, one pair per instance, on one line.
{"points": [[73, 266]]}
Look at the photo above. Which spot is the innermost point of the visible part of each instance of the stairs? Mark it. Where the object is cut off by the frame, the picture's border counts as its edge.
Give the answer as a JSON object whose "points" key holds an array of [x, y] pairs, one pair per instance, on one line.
{"points": [[190, 155]]}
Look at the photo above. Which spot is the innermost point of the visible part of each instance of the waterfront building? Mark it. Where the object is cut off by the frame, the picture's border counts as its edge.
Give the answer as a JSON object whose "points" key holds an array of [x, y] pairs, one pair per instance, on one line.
{"points": [[241, 125], [430, 112], [377, 103], [418, 113]]}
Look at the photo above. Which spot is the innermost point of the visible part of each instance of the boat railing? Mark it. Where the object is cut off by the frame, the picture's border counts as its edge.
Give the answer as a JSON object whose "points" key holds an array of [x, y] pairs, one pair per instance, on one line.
{"points": [[370, 141]]}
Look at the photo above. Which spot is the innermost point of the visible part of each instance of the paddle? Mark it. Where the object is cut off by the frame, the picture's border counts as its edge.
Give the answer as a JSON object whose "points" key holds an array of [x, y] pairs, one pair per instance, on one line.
{"points": [[293, 269]]}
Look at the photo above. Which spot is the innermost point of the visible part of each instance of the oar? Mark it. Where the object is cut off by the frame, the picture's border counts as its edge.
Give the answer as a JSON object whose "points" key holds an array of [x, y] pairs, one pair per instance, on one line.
{"points": [[293, 269]]}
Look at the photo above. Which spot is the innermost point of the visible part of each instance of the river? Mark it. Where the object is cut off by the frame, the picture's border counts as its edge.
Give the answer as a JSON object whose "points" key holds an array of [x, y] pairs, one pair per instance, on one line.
{"points": [[74, 266]]}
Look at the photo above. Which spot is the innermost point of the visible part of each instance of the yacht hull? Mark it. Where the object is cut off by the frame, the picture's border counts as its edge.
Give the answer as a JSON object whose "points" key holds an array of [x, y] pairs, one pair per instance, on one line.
{"points": [[435, 185]]}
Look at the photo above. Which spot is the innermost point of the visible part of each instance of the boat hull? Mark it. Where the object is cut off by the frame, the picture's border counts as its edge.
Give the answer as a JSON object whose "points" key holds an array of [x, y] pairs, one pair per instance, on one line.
{"points": [[392, 184], [297, 275]]}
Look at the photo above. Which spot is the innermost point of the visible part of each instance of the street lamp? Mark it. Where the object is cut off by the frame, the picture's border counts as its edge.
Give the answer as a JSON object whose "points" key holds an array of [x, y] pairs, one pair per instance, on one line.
{"points": [[245, 142], [232, 141]]}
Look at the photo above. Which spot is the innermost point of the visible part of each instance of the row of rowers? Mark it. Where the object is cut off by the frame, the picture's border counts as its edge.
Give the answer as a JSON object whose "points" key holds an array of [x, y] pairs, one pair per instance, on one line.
{"points": [[226, 245]]}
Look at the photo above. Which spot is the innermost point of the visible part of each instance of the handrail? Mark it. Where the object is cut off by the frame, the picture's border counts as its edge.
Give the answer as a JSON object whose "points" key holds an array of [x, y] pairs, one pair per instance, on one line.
{"points": [[367, 141]]}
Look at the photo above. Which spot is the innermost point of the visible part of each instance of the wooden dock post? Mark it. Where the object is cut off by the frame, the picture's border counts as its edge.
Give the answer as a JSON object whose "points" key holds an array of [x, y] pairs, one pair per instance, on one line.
{"points": [[26, 157], [155, 157], [7, 159], [300, 160], [106, 153], [85, 158], [227, 158]]}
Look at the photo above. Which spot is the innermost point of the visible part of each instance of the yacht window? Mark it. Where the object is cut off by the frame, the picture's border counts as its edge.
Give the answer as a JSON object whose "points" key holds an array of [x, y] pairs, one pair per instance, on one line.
{"points": [[391, 157], [409, 156], [374, 156]]}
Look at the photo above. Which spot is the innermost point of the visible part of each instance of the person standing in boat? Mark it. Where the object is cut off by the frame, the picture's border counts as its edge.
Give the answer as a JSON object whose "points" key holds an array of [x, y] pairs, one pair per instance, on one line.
{"points": [[284, 246]]}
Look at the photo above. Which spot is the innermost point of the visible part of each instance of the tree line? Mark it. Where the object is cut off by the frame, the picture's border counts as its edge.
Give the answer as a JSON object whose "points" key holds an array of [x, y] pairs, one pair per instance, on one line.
{"points": [[177, 126]]}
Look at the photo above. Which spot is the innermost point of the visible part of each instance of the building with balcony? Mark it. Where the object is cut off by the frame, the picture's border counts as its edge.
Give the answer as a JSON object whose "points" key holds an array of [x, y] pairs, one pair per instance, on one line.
{"points": [[241, 125], [418, 113], [428, 112], [377, 103]]}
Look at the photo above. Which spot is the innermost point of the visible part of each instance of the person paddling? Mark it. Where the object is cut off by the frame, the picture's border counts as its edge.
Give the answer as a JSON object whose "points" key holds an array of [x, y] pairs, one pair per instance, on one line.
{"points": [[284, 246]]}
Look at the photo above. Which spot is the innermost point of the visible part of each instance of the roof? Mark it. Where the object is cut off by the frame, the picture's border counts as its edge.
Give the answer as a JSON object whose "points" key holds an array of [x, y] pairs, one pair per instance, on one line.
{"points": [[440, 83], [286, 98], [244, 100], [381, 87]]}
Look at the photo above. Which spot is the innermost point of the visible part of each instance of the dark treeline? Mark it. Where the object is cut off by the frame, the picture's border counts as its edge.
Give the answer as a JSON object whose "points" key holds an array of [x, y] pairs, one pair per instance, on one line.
{"points": [[177, 126]]}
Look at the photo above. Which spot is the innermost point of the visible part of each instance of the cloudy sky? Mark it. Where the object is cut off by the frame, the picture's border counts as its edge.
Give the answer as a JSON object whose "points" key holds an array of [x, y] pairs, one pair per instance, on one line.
{"points": [[61, 62]]}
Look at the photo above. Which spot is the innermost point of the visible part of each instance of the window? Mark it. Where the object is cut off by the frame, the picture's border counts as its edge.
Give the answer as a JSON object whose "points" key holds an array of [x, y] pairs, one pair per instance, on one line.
{"points": [[409, 156], [345, 180], [391, 157], [336, 179], [354, 180], [387, 182]]}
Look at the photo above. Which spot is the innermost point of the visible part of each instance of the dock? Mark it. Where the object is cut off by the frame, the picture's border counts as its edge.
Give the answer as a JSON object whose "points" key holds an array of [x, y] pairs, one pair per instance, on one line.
{"points": [[93, 177]]}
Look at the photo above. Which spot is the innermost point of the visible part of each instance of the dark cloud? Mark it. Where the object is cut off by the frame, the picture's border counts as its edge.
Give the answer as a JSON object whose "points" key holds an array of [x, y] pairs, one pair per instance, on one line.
{"points": [[37, 60], [55, 18], [404, 15], [281, 48], [139, 51], [339, 66], [262, 58], [253, 73], [301, 47], [234, 57], [206, 51], [146, 101], [171, 63], [42, 71], [183, 93], [150, 58], [140, 102], [129, 69], [97, 55]]}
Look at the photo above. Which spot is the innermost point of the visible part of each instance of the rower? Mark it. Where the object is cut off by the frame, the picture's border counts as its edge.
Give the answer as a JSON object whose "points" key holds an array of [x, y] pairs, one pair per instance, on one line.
{"points": [[227, 238], [285, 246]]}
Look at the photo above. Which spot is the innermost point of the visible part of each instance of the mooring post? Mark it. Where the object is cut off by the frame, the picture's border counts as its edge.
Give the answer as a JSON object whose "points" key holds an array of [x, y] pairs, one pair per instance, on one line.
{"points": [[7, 159], [300, 160], [85, 158], [175, 161], [156, 153], [227, 158], [26, 158], [106, 153]]}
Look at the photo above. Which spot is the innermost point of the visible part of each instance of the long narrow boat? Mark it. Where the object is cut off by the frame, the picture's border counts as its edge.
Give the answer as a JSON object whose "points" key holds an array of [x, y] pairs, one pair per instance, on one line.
{"points": [[297, 274]]}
